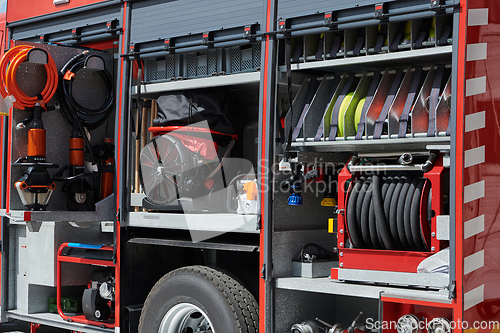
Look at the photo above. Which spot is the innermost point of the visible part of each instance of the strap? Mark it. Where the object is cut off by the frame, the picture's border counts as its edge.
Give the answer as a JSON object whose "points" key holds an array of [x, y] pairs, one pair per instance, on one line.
{"points": [[139, 101], [336, 108], [434, 99], [422, 34], [371, 93], [321, 127], [319, 52], [444, 36], [310, 95], [379, 123], [396, 40], [403, 119], [298, 49], [335, 47], [381, 38], [359, 44], [288, 61], [448, 129]]}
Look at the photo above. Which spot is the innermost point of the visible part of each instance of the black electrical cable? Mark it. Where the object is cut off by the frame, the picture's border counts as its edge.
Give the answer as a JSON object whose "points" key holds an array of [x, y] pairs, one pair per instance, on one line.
{"points": [[70, 108]]}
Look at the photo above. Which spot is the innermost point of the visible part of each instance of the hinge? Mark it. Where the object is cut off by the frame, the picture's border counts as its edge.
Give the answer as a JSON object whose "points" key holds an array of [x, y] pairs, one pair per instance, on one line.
{"points": [[453, 287]]}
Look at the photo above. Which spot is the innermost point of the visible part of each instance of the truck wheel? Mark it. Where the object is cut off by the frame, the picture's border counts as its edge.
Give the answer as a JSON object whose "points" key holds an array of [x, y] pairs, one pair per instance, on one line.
{"points": [[199, 299]]}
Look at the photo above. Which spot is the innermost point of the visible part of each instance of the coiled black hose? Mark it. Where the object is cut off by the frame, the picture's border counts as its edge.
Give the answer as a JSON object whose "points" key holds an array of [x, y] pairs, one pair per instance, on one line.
{"points": [[70, 108], [384, 211]]}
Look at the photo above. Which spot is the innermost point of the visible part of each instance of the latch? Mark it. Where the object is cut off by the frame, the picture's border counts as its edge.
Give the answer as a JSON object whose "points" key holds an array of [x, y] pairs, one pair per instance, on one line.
{"points": [[249, 31], [168, 45], [283, 26], [75, 33], [208, 37], [330, 17], [111, 26], [44, 39], [381, 11], [436, 4]]}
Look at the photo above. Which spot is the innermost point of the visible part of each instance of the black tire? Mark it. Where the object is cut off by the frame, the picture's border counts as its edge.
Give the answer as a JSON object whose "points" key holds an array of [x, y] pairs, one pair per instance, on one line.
{"points": [[229, 306]]}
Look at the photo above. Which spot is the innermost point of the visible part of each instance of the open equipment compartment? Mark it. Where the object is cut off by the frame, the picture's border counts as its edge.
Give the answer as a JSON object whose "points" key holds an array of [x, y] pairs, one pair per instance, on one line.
{"points": [[378, 106]]}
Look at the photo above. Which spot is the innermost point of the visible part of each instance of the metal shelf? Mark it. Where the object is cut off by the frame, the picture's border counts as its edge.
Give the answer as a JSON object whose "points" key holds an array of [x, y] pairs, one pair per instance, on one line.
{"points": [[328, 286], [152, 89], [52, 319], [104, 211], [205, 223], [379, 145], [427, 56]]}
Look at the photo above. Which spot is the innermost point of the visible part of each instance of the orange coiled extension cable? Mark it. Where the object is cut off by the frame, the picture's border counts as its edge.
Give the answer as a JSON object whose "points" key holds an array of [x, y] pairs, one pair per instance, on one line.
{"points": [[9, 64]]}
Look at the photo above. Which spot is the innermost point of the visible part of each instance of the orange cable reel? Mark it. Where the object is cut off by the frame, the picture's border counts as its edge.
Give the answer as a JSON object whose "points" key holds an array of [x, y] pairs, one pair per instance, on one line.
{"points": [[10, 91]]}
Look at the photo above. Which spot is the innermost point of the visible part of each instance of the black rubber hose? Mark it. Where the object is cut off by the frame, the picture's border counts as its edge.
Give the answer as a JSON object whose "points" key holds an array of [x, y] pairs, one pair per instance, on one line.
{"points": [[382, 226], [387, 207], [352, 224], [365, 216], [385, 186], [374, 234], [401, 211], [393, 210], [407, 213], [416, 230], [390, 190], [359, 201]]}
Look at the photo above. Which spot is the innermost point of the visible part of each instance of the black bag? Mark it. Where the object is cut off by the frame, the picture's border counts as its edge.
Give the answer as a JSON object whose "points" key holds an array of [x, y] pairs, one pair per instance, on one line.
{"points": [[192, 106]]}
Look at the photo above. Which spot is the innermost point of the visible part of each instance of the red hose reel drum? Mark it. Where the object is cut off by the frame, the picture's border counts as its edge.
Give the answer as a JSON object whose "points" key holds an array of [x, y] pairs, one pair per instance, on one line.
{"points": [[410, 202]]}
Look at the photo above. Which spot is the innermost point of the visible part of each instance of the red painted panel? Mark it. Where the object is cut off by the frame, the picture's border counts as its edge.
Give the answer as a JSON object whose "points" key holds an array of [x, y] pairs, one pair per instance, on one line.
{"points": [[23, 9], [487, 171], [392, 311]]}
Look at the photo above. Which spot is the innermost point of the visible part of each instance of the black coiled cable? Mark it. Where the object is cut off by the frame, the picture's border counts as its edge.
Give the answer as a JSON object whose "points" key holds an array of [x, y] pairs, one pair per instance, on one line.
{"points": [[71, 109], [384, 212]]}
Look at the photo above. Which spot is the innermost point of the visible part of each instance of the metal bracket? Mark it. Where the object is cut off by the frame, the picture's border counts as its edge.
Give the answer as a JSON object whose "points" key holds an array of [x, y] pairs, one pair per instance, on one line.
{"points": [[94, 62], [37, 56]]}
